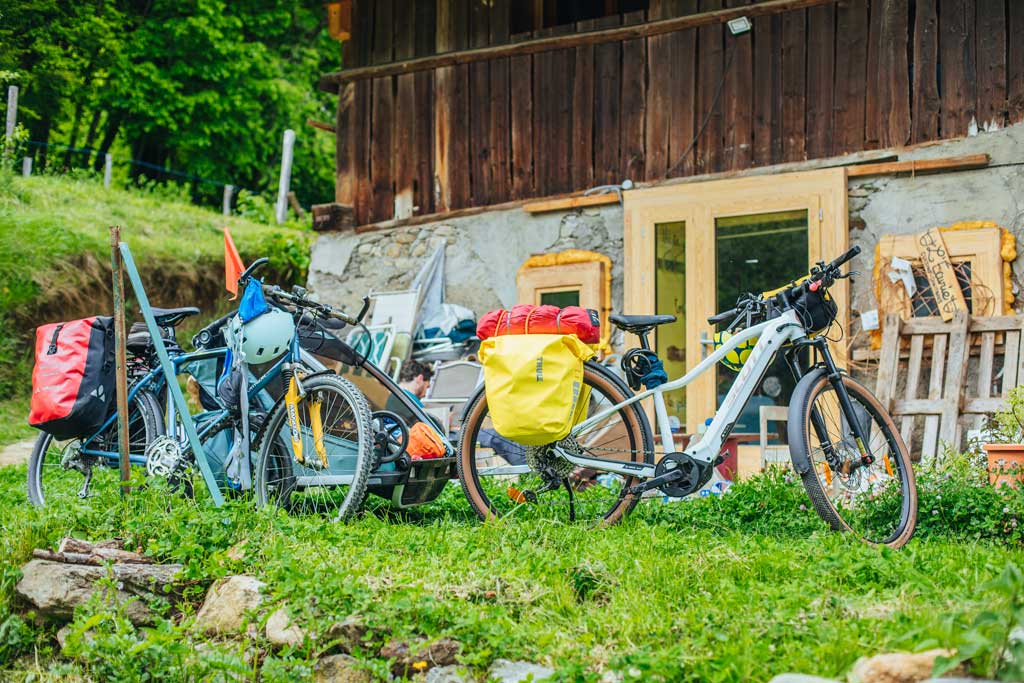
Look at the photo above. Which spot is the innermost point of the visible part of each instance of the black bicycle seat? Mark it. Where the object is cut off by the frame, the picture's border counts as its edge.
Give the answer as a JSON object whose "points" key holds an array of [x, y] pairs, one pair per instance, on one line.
{"points": [[640, 324], [170, 317]]}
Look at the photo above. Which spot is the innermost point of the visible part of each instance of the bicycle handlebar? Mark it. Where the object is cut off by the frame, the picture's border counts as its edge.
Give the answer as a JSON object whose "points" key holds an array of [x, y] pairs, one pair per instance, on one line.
{"points": [[243, 279], [301, 301], [824, 274]]}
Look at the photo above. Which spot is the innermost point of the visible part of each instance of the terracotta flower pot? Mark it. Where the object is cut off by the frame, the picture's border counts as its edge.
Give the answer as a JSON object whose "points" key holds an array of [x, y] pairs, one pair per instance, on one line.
{"points": [[1005, 463]]}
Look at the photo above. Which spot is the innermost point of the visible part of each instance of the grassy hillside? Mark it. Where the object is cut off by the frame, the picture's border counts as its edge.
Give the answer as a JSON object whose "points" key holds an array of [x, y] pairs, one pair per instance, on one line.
{"points": [[55, 260]]}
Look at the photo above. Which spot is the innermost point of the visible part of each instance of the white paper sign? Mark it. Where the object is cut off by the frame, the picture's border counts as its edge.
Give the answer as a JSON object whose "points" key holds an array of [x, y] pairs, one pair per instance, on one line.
{"points": [[869, 319], [899, 270]]}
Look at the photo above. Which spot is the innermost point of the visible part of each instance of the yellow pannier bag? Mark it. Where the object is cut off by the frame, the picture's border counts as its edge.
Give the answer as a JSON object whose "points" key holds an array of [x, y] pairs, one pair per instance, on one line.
{"points": [[534, 385]]}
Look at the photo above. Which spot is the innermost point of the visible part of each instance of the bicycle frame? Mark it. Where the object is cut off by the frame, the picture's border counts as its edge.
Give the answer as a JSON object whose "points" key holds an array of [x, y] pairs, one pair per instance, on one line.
{"points": [[773, 335]]}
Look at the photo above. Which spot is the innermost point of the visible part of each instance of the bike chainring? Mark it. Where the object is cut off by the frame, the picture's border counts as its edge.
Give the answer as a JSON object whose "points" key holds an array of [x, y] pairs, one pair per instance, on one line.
{"points": [[695, 474], [164, 458], [544, 460]]}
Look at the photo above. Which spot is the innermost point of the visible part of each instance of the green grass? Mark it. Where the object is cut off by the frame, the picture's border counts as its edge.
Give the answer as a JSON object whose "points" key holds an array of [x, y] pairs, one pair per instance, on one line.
{"points": [[55, 256], [13, 424], [733, 589]]}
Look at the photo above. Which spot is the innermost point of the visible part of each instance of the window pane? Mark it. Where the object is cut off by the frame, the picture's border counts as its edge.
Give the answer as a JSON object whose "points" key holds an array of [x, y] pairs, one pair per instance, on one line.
{"points": [[670, 298], [568, 297], [758, 253]]}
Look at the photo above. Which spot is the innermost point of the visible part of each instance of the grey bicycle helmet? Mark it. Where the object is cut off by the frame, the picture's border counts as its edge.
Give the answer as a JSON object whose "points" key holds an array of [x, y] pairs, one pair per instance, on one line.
{"points": [[267, 336]]}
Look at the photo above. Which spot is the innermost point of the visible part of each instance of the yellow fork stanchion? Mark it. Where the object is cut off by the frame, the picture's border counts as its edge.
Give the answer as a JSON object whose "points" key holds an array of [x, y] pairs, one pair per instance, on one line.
{"points": [[291, 402], [317, 425]]}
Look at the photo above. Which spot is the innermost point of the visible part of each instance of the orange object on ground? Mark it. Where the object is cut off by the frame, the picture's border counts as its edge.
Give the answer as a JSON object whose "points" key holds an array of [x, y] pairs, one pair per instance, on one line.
{"points": [[424, 443]]}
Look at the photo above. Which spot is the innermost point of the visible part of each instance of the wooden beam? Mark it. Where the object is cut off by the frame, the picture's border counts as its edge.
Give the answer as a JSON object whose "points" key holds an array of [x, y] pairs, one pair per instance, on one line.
{"points": [[571, 202], [333, 216], [329, 82], [921, 166], [320, 125]]}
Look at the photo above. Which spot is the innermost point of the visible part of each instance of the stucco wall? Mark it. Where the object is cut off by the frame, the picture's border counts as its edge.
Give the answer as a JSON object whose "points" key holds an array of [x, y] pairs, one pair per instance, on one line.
{"points": [[884, 205], [482, 254], [485, 251]]}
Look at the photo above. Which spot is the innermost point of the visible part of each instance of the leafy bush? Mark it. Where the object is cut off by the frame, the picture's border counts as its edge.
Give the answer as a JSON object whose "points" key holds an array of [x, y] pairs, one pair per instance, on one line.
{"points": [[992, 643]]}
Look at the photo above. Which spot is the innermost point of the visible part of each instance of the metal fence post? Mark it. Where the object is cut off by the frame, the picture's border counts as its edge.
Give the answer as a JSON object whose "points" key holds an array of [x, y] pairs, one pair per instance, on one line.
{"points": [[108, 168], [228, 192], [120, 355], [12, 110], [26, 166], [286, 175]]}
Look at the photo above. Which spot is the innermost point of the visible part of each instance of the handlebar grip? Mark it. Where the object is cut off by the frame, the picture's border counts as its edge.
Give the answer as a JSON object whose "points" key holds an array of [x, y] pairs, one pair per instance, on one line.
{"points": [[244, 277], [845, 257], [723, 316]]}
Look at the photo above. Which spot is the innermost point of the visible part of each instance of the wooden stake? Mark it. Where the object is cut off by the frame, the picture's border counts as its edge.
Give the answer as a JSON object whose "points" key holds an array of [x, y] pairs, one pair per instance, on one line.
{"points": [[120, 357]]}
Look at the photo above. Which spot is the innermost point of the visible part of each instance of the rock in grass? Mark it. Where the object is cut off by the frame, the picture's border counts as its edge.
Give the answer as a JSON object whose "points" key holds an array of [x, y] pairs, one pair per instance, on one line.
{"points": [[339, 669], [897, 667], [505, 671], [453, 673], [282, 631], [347, 635], [56, 588], [412, 658], [227, 603], [801, 678]]}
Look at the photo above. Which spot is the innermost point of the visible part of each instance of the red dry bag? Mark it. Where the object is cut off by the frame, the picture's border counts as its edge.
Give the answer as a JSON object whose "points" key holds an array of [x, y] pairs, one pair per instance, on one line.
{"points": [[73, 379], [529, 319]]}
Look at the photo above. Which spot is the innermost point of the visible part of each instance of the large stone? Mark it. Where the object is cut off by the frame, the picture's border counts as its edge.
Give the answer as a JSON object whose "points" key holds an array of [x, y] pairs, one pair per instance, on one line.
{"points": [[419, 655], [897, 667], [453, 673], [56, 588], [339, 669], [282, 631], [506, 671], [228, 604]]}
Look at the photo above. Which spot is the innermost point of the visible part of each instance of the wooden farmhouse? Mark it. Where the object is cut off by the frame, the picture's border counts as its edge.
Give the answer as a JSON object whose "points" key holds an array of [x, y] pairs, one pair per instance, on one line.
{"points": [[665, 155]]}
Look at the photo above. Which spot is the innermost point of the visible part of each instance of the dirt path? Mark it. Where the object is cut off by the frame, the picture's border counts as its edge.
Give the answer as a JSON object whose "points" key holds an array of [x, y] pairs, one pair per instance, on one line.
{"points": [[16, 453]]}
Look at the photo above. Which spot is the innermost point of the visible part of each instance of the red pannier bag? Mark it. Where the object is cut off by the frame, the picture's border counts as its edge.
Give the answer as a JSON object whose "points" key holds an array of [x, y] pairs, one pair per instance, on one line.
{"points": [[73, 379], [547, 319]]}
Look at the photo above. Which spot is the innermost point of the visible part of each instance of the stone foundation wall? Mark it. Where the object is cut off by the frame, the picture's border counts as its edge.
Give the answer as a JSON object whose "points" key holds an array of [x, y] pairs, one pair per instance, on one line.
{"points": [[483, 254], [484, 251]]}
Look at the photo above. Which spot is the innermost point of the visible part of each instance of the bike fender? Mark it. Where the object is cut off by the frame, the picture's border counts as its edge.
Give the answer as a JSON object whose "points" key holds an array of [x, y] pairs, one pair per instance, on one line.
{"points": [[801, 461]]}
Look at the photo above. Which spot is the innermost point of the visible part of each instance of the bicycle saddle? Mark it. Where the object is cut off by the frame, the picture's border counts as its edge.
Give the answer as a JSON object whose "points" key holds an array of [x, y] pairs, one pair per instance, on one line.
{"points": [[170, 317], [640, 324]]}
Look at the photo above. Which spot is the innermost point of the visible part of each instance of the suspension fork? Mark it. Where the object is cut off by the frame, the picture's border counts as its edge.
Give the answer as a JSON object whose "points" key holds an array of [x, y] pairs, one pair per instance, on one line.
{"points": [[817, 422], [835, 378]]}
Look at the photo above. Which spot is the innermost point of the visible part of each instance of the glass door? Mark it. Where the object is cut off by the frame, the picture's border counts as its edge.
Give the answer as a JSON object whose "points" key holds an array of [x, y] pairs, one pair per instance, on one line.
{"points": [[691, 249]]}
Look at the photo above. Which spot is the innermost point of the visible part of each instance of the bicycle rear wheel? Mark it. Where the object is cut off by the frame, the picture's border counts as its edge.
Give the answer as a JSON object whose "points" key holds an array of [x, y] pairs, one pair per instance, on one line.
{"points": [[59, 471], [502, 478], [877, 502], [336, 491]]}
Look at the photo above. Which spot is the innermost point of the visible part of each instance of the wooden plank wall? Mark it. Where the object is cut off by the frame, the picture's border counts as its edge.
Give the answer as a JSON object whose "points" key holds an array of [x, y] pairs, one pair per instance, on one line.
{"points": [[862, 74]]}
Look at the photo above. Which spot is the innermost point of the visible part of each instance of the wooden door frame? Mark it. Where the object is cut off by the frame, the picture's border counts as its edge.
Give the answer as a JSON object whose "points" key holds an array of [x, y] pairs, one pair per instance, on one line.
{"points": [[823, 193]]}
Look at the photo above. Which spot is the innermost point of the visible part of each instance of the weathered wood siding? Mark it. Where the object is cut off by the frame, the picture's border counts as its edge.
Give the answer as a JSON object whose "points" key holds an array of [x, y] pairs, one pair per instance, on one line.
{"points": [[862, 74]]}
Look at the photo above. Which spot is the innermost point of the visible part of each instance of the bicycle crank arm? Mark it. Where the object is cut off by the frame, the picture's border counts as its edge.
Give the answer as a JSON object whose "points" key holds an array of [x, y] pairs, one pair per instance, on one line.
{"points": [[626, 469], [655, 483]]}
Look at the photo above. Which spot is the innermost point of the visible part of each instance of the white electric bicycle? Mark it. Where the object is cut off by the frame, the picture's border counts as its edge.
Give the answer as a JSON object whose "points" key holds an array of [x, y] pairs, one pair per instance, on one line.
{"points": [[843, 443]]}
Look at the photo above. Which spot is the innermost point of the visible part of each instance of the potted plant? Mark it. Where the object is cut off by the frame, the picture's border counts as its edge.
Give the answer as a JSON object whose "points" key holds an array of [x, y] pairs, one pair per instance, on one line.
{"points": [[1005, 442]]}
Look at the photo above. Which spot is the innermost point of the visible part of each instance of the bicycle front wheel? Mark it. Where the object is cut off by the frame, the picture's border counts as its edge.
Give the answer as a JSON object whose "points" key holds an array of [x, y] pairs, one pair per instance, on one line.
{"points": [[876, 502], [501, 477], [320, 472], [60, 471]]}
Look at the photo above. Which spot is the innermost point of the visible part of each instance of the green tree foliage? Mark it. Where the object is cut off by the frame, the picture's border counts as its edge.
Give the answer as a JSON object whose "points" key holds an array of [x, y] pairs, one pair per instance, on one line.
{"points": [[206, 87]]}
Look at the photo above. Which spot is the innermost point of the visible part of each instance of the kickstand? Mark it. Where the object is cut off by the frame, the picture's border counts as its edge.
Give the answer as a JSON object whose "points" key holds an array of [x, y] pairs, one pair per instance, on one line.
{"points": [[572, 499]]}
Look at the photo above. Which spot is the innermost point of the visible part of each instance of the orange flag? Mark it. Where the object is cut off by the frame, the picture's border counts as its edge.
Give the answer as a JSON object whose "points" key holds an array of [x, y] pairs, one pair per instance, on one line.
{"points": [[233, 266]]}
